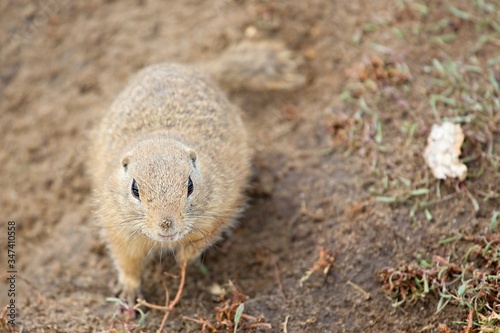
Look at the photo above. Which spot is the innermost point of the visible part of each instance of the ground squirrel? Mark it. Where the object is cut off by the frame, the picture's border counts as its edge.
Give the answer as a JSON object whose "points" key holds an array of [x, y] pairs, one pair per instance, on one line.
{"points": [[171, 158]]}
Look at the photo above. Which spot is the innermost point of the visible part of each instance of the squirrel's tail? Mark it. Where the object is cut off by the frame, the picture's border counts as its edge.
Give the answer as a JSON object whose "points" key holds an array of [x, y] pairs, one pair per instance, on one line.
{"points": [[256, 66]]}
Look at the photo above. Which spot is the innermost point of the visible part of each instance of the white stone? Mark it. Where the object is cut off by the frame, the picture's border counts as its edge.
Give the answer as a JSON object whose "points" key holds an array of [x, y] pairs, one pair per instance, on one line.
{"points": [[443, 149]]}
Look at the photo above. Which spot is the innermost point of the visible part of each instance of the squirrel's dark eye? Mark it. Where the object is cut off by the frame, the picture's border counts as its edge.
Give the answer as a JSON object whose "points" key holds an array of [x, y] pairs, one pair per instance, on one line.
{"points": [[190, 186], [135, 190]]}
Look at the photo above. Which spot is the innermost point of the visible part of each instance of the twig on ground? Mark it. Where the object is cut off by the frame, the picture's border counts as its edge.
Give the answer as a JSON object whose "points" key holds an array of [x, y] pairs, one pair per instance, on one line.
{"points": [[366, 295], [203, 322], [168, 305], [324, 262], [277, 274], [285, 324]]}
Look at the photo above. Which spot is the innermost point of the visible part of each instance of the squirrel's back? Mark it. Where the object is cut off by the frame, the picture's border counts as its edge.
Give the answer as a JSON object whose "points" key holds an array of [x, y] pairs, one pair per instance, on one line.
{"points": [[169, 97], [176, 99]]}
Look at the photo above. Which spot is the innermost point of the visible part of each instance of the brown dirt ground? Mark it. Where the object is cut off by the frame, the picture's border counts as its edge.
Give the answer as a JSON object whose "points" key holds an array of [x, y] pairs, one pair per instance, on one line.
{"points": [[62, 63]]}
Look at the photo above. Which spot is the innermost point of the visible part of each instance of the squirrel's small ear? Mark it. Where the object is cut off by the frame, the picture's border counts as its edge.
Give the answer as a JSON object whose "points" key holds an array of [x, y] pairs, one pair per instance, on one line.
{"points": [[125, 162], [192, 156]]}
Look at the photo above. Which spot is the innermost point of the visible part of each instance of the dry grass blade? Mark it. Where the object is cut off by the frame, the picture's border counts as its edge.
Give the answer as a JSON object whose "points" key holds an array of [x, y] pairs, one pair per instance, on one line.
{"points": [[4, 321], [324, 262]]}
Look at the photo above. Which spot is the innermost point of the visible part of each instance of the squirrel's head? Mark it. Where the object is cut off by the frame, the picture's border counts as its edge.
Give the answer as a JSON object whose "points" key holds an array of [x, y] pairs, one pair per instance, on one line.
{"points": [[159, 178]]}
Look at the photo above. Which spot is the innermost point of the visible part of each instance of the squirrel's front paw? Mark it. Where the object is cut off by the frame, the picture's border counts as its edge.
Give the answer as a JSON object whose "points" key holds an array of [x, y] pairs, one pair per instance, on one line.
{"points": [[127, 296], [129, 293]]}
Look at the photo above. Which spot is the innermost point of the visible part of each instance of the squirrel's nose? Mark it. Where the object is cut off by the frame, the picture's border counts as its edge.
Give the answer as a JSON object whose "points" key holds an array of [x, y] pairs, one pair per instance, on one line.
{"points": [[166, 222]]}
